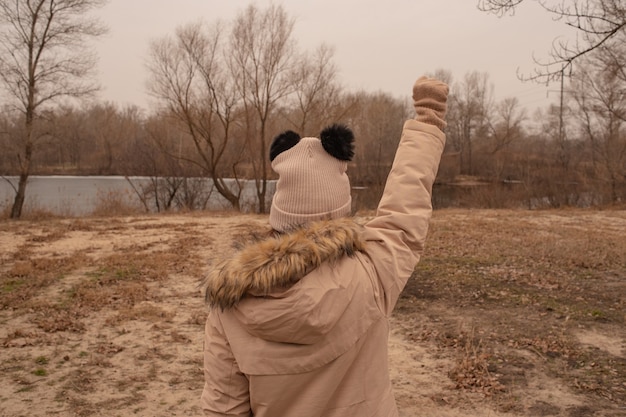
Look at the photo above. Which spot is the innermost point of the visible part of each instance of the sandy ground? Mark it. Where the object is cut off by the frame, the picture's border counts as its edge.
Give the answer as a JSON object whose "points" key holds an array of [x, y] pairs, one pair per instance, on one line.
{"points": [[116, 328]]}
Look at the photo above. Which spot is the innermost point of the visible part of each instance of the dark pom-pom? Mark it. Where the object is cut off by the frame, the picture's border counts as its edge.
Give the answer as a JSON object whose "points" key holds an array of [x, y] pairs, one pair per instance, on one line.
{"points": [[283, 142], [338, 141]]}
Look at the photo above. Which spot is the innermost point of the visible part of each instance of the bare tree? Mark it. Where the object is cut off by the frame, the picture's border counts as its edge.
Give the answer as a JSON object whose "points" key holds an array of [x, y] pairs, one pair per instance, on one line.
{"points": [[191, 80], [111, 130], [43, 57], [171, 183], [598, 23], [316, 92], [229, 89], [506, 125], [600, 95], [7, 131], [469, 107], [504, 128], [262, 61], [443, 75], [68, 138], [377, 120]]}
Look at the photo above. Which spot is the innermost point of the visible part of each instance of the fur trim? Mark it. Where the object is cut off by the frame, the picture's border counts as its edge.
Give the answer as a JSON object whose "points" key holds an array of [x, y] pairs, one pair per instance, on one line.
{"points": [[281, 261]]}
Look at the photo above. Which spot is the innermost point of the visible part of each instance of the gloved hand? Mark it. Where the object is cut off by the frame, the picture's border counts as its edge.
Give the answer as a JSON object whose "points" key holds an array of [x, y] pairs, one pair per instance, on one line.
{"points": [[429, 99]]}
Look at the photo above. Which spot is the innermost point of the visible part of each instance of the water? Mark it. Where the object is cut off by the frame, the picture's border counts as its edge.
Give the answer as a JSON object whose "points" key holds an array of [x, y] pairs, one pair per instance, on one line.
{"points": [[81, 195]]}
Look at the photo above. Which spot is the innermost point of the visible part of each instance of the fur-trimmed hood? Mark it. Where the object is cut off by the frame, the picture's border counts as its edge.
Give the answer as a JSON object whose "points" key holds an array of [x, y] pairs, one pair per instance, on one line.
{"points": [[279, 262]]}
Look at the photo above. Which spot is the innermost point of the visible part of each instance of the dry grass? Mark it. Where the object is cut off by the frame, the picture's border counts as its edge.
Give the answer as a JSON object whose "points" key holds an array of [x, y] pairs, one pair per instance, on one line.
{"points": [[473, 371], [527, 282], [105, 312], [115, 203]]}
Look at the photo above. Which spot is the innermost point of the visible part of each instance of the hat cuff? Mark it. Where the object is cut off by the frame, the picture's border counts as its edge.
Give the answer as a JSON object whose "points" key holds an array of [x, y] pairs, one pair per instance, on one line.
{"points": [[283, 221]]}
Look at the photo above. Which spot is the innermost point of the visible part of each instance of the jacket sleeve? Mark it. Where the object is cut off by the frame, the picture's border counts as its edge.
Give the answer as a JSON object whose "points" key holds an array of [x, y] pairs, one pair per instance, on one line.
{"points": [[396, 235], [225, 390]]}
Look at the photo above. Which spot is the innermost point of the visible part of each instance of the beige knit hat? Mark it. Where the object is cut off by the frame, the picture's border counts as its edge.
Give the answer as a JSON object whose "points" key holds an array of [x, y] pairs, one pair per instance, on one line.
{"points": [[312, 181]]}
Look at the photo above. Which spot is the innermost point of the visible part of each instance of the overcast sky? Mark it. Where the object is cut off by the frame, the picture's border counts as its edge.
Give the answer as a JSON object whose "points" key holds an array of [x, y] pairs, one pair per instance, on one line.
{"points": [[380, 45]]}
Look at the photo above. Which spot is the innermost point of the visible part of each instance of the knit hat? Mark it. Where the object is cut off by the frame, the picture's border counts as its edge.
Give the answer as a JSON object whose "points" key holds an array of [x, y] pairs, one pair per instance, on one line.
{"points": [[312, 181]]}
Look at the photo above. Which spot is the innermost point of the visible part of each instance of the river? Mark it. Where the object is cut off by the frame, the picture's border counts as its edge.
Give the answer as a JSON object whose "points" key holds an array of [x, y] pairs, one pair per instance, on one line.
{"points": [[82, 195]]}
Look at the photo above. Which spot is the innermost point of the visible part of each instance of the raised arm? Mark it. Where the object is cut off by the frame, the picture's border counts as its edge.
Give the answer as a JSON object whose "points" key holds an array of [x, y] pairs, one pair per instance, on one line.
{"points": [[397, 234]]}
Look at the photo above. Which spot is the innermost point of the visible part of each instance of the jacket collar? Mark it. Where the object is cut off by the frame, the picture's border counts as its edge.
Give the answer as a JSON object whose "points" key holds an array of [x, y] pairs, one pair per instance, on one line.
{"points": [[279, 262]]}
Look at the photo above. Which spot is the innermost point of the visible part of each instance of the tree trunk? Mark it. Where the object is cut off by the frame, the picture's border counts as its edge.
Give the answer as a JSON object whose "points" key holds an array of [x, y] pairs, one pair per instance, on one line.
{"points": [[18, 202], [20, 196]]}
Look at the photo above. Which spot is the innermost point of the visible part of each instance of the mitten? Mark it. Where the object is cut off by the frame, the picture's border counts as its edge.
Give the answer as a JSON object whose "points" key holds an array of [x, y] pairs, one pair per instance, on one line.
{"points": [[429, 99]]}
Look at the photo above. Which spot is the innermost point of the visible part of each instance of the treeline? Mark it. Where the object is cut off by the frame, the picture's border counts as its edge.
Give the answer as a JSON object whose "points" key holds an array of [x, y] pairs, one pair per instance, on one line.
{"points": [[496, 156], [105, 139], [224, 91]]}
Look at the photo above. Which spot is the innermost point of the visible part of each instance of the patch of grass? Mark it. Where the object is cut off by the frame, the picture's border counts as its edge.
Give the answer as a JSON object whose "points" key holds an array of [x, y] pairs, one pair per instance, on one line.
{"points": [[33, 212], [67, 298], [117, 272], [597, 314], [472, 369], [79, 406], [127, 273], [49, 234], [148, 312], [592, 370], [108, 349], [41, 360], [53, 319], [81, 381], [116, 203], [40, 372], [11, 285], [29, 275]]}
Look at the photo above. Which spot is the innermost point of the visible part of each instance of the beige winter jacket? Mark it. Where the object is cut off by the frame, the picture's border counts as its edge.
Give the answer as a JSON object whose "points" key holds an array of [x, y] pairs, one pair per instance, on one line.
{"points": [[299, 324]]}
